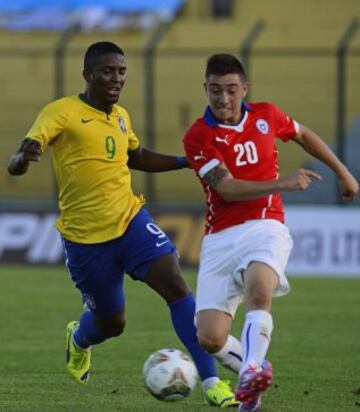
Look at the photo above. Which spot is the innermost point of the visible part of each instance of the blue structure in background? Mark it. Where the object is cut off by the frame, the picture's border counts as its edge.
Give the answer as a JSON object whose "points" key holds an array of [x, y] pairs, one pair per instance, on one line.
{"points": [[88, 14], [127, 6]]}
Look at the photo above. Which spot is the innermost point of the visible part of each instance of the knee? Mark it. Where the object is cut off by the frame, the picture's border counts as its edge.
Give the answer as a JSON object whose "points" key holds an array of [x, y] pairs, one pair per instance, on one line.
{"points": [[211, 342], [177, 289], [259, 298], [165, 278]]}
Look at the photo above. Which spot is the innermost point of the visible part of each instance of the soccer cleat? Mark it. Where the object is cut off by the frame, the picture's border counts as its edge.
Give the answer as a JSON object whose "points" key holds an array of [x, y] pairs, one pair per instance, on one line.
{"points": [[252, 406], [221, 395], [252, 383], [77, 359]]}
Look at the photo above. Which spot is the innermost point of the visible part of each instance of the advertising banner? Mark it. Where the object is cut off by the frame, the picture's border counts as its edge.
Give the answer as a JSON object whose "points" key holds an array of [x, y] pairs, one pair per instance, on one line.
{"points": [[326, 239]]}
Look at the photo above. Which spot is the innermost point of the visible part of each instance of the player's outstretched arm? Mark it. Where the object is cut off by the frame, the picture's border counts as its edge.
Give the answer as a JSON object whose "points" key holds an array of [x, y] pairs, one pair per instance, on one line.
{"points": [[149, 161], [231, 190], [315, 146], [29, 151]]}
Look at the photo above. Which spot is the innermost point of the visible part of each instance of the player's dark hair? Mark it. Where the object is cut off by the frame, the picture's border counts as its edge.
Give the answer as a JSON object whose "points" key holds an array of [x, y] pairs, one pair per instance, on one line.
{"points": [[97, 50], [223, 63]]}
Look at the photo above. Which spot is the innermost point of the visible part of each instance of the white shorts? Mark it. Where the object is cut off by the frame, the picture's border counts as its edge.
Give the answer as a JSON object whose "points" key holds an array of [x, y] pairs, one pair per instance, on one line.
{"points": [[226, 254]]}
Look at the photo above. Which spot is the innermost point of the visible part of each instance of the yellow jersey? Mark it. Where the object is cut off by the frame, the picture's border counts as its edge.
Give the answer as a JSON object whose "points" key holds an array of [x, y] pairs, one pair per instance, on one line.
{"points": [[89, 149]]}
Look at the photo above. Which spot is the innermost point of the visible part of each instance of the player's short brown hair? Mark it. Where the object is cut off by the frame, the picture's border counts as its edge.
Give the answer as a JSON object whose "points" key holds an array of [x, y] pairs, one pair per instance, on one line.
{"points": [[223, 63]]}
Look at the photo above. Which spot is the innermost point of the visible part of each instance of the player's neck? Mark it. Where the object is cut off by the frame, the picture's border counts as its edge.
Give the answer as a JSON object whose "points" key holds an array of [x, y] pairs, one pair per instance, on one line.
{"points": [[235, 120], [90, 100]]}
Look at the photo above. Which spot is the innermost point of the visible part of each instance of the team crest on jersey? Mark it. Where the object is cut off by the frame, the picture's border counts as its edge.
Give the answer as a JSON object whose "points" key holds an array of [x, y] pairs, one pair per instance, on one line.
{"points": [[122, 124], [262, 126]]}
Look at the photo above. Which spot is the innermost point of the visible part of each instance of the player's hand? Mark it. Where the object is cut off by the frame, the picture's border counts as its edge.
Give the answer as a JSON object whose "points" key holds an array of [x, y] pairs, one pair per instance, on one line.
{"points": [[349, 187], [299, 181], [30, 151]]}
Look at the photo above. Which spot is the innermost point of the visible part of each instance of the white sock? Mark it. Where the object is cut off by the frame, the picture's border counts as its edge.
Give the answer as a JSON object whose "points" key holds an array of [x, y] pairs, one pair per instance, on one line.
{"points": [[209, 382], [230, 355], [255, 337]]}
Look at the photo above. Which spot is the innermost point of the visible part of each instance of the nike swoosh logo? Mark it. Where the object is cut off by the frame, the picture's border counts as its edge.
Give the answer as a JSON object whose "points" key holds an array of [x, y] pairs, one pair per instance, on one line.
{"points": [[86, 120], [158, 244]]}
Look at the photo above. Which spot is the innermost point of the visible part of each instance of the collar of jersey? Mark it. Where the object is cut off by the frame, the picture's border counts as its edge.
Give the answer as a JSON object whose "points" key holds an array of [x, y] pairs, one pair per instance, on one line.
{"points": [[82, 98], [212, 121]]}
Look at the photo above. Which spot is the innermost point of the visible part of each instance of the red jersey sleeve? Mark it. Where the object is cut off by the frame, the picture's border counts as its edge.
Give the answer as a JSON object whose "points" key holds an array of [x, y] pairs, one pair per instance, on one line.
{"points": [[200, 151], [286, 127]]}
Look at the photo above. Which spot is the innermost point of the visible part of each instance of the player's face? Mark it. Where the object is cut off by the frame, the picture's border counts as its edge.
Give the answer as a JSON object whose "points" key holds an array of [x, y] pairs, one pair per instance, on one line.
{"points": [[106, 79], [225, 94]]}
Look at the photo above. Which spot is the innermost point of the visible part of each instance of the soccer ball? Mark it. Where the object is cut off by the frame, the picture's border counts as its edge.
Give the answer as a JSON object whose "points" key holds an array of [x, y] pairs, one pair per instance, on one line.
{"points": [[169, 375]]}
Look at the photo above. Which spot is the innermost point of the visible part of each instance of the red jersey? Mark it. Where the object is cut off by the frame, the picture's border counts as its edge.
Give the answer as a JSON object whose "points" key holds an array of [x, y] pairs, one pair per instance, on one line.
{"points": [[249, 152]]}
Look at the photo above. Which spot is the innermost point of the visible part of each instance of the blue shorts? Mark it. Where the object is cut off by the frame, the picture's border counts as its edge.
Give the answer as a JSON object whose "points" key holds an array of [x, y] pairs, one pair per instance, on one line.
{"points": [[98, 269]]}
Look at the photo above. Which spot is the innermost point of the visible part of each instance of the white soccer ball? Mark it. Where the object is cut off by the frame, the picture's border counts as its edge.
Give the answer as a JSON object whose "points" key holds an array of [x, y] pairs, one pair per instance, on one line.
{"points": [[169, 375]]}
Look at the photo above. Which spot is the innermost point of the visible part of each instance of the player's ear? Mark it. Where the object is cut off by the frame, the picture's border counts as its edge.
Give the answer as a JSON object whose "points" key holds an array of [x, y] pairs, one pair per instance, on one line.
{"points": [[205, 88], [87, 75], [245, 88]]}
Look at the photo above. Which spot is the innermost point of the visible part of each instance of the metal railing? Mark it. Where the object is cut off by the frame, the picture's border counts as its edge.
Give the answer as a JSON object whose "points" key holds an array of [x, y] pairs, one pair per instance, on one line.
{"points": [[152, 54]]}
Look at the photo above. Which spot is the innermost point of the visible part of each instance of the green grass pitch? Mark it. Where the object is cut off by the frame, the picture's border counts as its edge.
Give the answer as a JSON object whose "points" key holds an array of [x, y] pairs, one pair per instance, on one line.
{"points": [[315, 347]]}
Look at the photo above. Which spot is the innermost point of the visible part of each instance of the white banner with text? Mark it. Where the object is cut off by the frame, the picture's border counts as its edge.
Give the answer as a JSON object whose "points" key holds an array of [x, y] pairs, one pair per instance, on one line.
{"points": [[326, 239]]}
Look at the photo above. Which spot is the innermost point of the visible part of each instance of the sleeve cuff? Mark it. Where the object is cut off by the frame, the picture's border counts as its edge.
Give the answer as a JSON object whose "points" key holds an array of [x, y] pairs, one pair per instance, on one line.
{"points": [[208, 166]]}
